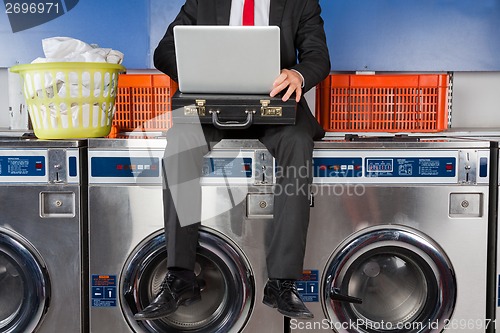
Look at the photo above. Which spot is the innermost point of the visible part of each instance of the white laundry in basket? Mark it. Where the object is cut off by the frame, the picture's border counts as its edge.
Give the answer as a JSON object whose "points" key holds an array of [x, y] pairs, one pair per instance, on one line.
{"points": [[66, 49]]}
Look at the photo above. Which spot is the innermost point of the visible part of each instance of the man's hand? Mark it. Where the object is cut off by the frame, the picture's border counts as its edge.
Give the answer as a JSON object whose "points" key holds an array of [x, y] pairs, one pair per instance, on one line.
{"points": [[290, 79]]}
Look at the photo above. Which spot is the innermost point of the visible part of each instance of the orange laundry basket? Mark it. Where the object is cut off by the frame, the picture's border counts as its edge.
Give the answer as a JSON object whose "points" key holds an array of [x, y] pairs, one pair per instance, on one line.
{"points": [[383, 103], [143, 103]]}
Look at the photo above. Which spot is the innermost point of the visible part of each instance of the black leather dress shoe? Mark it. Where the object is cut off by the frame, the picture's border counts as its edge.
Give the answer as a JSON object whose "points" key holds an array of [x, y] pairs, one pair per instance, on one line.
{"points": [[283, 294], [176, 290]]}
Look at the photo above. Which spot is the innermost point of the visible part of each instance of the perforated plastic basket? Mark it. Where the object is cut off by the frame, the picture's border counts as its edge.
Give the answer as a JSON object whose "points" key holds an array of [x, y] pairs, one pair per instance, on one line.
{"points": [[383, 103], [143, 103], [70, 99]]}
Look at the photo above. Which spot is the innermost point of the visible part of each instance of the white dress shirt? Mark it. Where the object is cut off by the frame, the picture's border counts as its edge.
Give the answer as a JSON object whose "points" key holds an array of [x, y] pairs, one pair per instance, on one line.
{"points": [[262, 9], [261, 12]]}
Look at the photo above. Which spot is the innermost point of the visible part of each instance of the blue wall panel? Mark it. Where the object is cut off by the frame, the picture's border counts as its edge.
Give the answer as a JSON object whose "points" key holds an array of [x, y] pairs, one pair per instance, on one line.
{"points": [[397, 35], [413, 35], [162, 13], [379, 35], [120, 25]]}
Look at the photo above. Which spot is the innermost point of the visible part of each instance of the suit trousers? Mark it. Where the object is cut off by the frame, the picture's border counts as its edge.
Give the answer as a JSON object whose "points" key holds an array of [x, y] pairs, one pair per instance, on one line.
{"points": [[292, 147]]}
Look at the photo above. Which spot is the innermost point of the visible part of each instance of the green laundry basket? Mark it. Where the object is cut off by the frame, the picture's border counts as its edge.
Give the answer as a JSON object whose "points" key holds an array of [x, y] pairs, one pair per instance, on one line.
{"points": [[70, 99]]}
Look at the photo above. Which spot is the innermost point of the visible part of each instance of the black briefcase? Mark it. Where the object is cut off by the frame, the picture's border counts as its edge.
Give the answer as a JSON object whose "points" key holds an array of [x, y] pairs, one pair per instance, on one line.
{"points": [[232, 111]]}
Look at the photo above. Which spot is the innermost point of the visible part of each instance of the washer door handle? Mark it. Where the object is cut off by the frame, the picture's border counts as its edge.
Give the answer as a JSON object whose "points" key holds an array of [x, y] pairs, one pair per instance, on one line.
{"points": [[335, 295], [129, 298]]}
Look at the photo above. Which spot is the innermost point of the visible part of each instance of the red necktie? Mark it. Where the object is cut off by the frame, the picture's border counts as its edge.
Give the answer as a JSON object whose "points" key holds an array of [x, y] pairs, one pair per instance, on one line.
{"points": [[248, 12]]}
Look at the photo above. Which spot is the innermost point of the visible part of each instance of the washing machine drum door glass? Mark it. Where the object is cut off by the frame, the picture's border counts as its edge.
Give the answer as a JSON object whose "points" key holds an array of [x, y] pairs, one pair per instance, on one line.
{"points": [[404, 280], [227, 294], [24, 285], [394, 287]]}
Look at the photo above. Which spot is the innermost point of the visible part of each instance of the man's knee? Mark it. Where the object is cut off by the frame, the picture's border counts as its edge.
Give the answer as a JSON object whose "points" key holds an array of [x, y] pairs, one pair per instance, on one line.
{"points": [[185, 137], [179, 131], [298, 141]]}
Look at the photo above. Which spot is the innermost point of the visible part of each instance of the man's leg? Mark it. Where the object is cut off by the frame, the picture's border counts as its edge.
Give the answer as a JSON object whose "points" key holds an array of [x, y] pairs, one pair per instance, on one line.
{"points": [[292, 147], [182, 164], [285, 254]]}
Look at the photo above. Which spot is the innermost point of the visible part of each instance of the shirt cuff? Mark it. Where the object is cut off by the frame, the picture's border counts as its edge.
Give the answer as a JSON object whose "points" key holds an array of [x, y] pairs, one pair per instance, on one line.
{"points": [[303, 81]]}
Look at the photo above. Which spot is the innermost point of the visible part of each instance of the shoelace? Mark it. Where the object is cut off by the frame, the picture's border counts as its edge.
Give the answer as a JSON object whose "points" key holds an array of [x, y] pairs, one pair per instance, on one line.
{"points": [[287, 284], [167, 281]]}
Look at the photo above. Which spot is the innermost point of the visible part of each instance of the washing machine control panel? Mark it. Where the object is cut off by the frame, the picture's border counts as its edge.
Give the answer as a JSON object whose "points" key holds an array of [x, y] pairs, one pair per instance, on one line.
{"points": [[29, 166], [51, 166], [220, 167], [144, 166], [326, 167], [236, 167], [139, 166], [386, 166], [411, 167]]}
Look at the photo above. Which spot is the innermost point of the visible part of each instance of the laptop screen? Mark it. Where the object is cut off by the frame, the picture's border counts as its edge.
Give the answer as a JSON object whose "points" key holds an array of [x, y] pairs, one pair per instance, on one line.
{"points": [[227, 59]]}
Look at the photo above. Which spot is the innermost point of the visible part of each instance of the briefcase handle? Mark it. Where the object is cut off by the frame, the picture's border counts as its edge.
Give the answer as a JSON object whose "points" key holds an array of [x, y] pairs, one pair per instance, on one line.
{"points": [[232, 124]]}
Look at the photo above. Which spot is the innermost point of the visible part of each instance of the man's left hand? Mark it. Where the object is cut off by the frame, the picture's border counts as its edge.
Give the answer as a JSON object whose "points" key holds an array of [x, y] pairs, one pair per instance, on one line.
{"points": [[289, 80]]}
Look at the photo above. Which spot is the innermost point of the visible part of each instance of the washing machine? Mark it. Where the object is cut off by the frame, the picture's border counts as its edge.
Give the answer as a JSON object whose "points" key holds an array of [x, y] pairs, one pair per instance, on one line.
{"points": [[42, 236], [496, 230], [127, 243], [398, 236]]}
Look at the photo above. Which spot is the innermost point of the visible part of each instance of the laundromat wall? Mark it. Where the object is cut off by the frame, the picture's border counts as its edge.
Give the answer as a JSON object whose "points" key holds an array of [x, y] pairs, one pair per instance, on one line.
{"points": [[459, 37]]}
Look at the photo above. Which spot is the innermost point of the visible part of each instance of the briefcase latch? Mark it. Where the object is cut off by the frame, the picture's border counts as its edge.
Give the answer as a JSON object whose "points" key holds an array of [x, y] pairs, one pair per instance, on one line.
{"points": [[197, 109], [270, 111]]}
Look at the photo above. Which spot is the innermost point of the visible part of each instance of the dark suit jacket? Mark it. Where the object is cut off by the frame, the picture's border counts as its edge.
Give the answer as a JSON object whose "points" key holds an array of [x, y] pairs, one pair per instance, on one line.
{"points": [[303, 41]]}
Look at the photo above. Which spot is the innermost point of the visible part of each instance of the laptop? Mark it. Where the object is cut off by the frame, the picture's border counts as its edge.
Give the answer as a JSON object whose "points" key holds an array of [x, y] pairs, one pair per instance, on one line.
{"points": [[227, 59]]}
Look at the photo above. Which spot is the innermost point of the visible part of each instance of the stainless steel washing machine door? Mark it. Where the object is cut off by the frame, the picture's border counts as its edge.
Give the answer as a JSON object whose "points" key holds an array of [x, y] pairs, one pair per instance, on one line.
{"points": [[227, 295], [404, 279], [24, 284]]}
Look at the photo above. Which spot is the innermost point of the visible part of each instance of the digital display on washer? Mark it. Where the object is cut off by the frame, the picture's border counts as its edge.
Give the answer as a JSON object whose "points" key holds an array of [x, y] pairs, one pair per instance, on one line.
{"points": [[227, 167], [337, 167], [125, 166], [411, 167], [22, 166]]}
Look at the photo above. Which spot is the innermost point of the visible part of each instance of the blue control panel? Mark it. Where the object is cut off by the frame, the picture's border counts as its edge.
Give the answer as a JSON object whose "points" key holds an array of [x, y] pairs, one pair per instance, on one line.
{"points": [[227, 167], [337, 167], [308, 286], [103, 290], [123, 167], [411, 167], [483, 167], [72, 166], [394, 167], [22, 166]]}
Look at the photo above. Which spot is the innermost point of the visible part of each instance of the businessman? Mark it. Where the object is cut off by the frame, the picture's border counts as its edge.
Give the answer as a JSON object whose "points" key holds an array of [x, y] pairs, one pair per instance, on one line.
{"points": [[304, 62]]}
